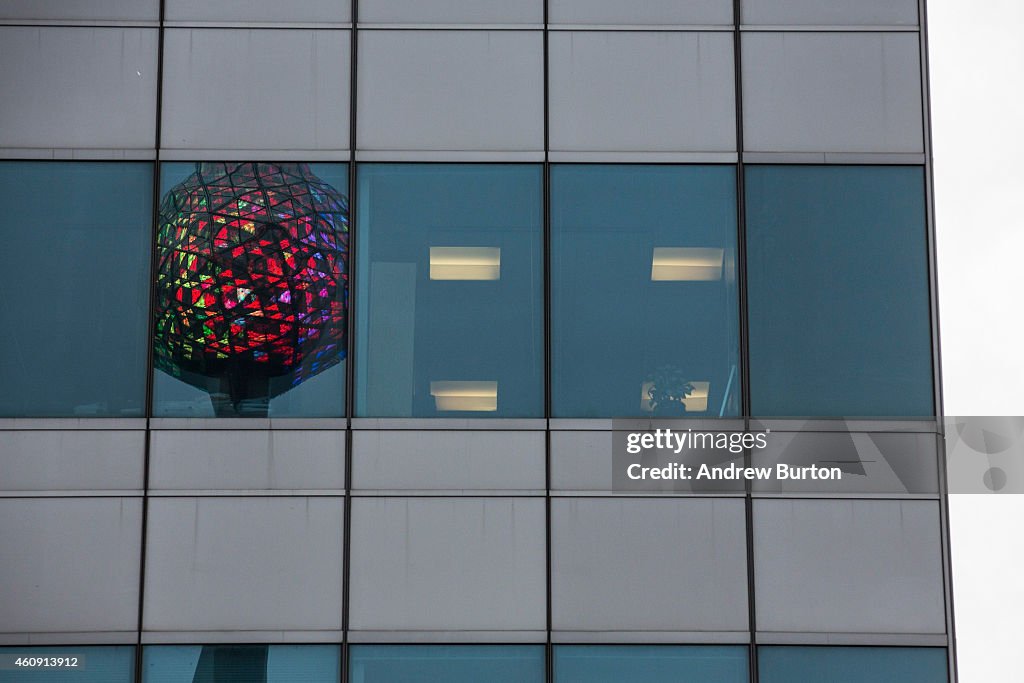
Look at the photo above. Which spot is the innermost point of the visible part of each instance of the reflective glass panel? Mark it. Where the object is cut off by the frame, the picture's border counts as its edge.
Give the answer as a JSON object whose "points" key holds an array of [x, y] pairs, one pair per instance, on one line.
{"points": [[852, 664], [838, 291], [241, 664], [450, 291], [251, 290], [643, 291], [650, 664], [73, 271], [448, 663]]}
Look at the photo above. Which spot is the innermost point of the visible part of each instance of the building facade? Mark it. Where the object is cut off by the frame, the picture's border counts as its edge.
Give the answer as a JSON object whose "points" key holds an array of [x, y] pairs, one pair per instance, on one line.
{"points": [[320, 320]]}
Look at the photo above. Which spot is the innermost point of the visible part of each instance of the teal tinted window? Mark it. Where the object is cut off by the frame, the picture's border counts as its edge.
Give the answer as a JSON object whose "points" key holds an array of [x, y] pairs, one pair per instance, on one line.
{"points": [[241, 664], [251, 290], [852, 665], [650, 664], [71, 664], [838, 291], [448, 663], [74, 275], [450, 291], [643, 287]]}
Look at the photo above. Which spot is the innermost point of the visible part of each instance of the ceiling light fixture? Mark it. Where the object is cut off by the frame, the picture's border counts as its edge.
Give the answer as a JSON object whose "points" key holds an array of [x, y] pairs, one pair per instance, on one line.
{"points": [[465, 396], [690, 264], [465, 263]]}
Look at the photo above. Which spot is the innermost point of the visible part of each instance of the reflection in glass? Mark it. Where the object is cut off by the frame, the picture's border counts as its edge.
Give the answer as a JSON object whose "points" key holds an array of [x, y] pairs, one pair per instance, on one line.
{"points": [[852, 664], [838, 291], [252, 285], [74, 277], [241, 664], [448, 663], [644, 299], [450, 291], [650, 663]]}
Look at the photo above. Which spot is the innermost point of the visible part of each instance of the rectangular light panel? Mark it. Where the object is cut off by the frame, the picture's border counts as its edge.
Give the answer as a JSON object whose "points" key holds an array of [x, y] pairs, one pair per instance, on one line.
{"points": [[465, 263], [697, 401], [691, 264], [468, 396]]}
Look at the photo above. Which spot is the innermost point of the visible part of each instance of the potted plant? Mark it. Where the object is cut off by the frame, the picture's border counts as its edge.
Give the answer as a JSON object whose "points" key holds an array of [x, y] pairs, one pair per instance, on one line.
{"points": [[667, 388]]}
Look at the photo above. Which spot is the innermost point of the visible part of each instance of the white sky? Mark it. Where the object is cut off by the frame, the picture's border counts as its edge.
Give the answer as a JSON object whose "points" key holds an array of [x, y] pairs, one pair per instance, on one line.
{"points": [[977, 76]]}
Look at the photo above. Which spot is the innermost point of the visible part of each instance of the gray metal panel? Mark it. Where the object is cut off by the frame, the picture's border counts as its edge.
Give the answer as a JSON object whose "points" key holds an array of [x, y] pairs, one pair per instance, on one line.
{"points": [[263, 11], [63, 460], [244, 637], [451, 12], [245, 423], [853, 639], [77, 87], [853, 566], [447, 637], [647, 12], [449, 423], [581, 461], [648, 565], [652, 637], [830, 12], [448, 461], [64, 638], [646, 424], [70, 564], [877, 158], [645, 157], [256, 564], [451, 90], [72, 423], [457, 564], [256, 89], [248, 154], [78, 154], [627, 92], [81, 10], [247, 460], [461, 156], [832, 92]]}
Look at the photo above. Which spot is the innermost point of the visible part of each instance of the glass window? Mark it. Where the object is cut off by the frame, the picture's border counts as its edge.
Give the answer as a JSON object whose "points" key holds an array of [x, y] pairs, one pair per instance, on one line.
{"points": [[852, 664], [81, 664], [251, 290], [448, 663], [838, 291], [450, 294], [650, 663], [241, 664], [643, 286], [74, 274]]}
